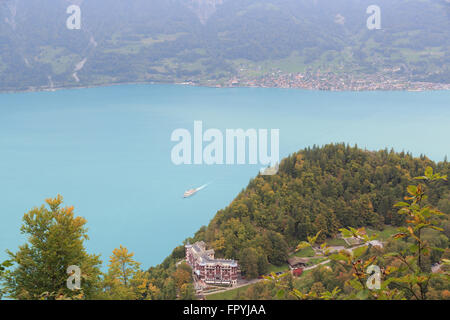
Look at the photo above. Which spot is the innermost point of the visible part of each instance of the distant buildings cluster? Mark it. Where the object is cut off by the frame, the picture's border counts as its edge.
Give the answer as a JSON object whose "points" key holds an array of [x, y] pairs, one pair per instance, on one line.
{"points": [[335, 82]]}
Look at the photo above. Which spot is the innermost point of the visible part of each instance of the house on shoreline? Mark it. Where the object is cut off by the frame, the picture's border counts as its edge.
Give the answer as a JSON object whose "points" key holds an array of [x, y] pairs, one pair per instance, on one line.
{"points": [[209, 270]]}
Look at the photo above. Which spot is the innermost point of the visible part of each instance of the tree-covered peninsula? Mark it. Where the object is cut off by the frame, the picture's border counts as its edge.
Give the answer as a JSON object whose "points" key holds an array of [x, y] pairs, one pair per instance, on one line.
{"points": [[318, 194]]}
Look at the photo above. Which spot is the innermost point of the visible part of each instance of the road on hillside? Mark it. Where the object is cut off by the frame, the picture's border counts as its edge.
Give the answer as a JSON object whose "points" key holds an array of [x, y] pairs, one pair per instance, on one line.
{"points": [[332, 249]]}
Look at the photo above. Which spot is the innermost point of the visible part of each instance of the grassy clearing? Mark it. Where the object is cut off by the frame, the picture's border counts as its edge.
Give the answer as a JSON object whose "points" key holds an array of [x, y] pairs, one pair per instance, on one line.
{"points": [[228, 295], [305, 253], [58, 58], [284, 267], [336, 242], [315, 261], [384, 234]]}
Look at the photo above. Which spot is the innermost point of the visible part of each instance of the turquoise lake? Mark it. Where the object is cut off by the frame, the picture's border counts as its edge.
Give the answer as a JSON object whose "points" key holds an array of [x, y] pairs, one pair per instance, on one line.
{"points": [[107, 151]]}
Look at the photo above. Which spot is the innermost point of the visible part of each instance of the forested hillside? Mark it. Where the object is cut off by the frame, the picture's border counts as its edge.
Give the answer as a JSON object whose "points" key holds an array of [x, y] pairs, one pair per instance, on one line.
{"points": [[210, 42], [318, 193], [317, 189]]}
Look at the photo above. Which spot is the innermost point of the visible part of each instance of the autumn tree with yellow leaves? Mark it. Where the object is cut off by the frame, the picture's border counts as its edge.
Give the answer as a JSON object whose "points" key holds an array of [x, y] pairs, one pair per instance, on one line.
{"points": [[125, 280], [55, 241]]}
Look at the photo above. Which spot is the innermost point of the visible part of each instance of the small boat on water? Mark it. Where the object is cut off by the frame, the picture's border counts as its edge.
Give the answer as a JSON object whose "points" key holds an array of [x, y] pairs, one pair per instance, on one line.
{"points": [[191, 192]]}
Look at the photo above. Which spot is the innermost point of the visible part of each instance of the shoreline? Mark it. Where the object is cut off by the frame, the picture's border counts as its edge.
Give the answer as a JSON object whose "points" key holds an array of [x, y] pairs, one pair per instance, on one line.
{"points": [[215, 86]]}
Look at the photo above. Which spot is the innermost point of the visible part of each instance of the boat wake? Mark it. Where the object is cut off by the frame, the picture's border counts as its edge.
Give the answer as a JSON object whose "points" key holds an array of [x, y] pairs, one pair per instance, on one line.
{"points": [[202, 187], [191, 192]]}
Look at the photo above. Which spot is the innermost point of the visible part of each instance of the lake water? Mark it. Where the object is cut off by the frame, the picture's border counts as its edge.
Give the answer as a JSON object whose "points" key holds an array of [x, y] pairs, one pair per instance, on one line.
{"points": [[108, 151]]}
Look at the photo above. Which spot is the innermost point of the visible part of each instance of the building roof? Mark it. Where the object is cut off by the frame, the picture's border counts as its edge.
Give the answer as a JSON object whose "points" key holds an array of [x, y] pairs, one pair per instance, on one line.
{"points": [[376, 243], [297, 260], [205, 257]]}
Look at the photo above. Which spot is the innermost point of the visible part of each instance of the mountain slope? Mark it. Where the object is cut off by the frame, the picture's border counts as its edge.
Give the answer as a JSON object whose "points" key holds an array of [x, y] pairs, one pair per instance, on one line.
{"points": [[211, 41], [319, 188], [316, 189]]}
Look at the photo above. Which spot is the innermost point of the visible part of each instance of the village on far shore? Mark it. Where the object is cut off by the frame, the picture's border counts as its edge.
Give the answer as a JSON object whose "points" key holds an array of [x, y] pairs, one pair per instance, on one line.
{"points": [[326, 81]]}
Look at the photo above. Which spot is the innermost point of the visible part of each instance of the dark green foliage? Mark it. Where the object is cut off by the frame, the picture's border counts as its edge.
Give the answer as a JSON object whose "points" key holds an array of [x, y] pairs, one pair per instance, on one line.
{"points": [[319, 188], [316, 189]]}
